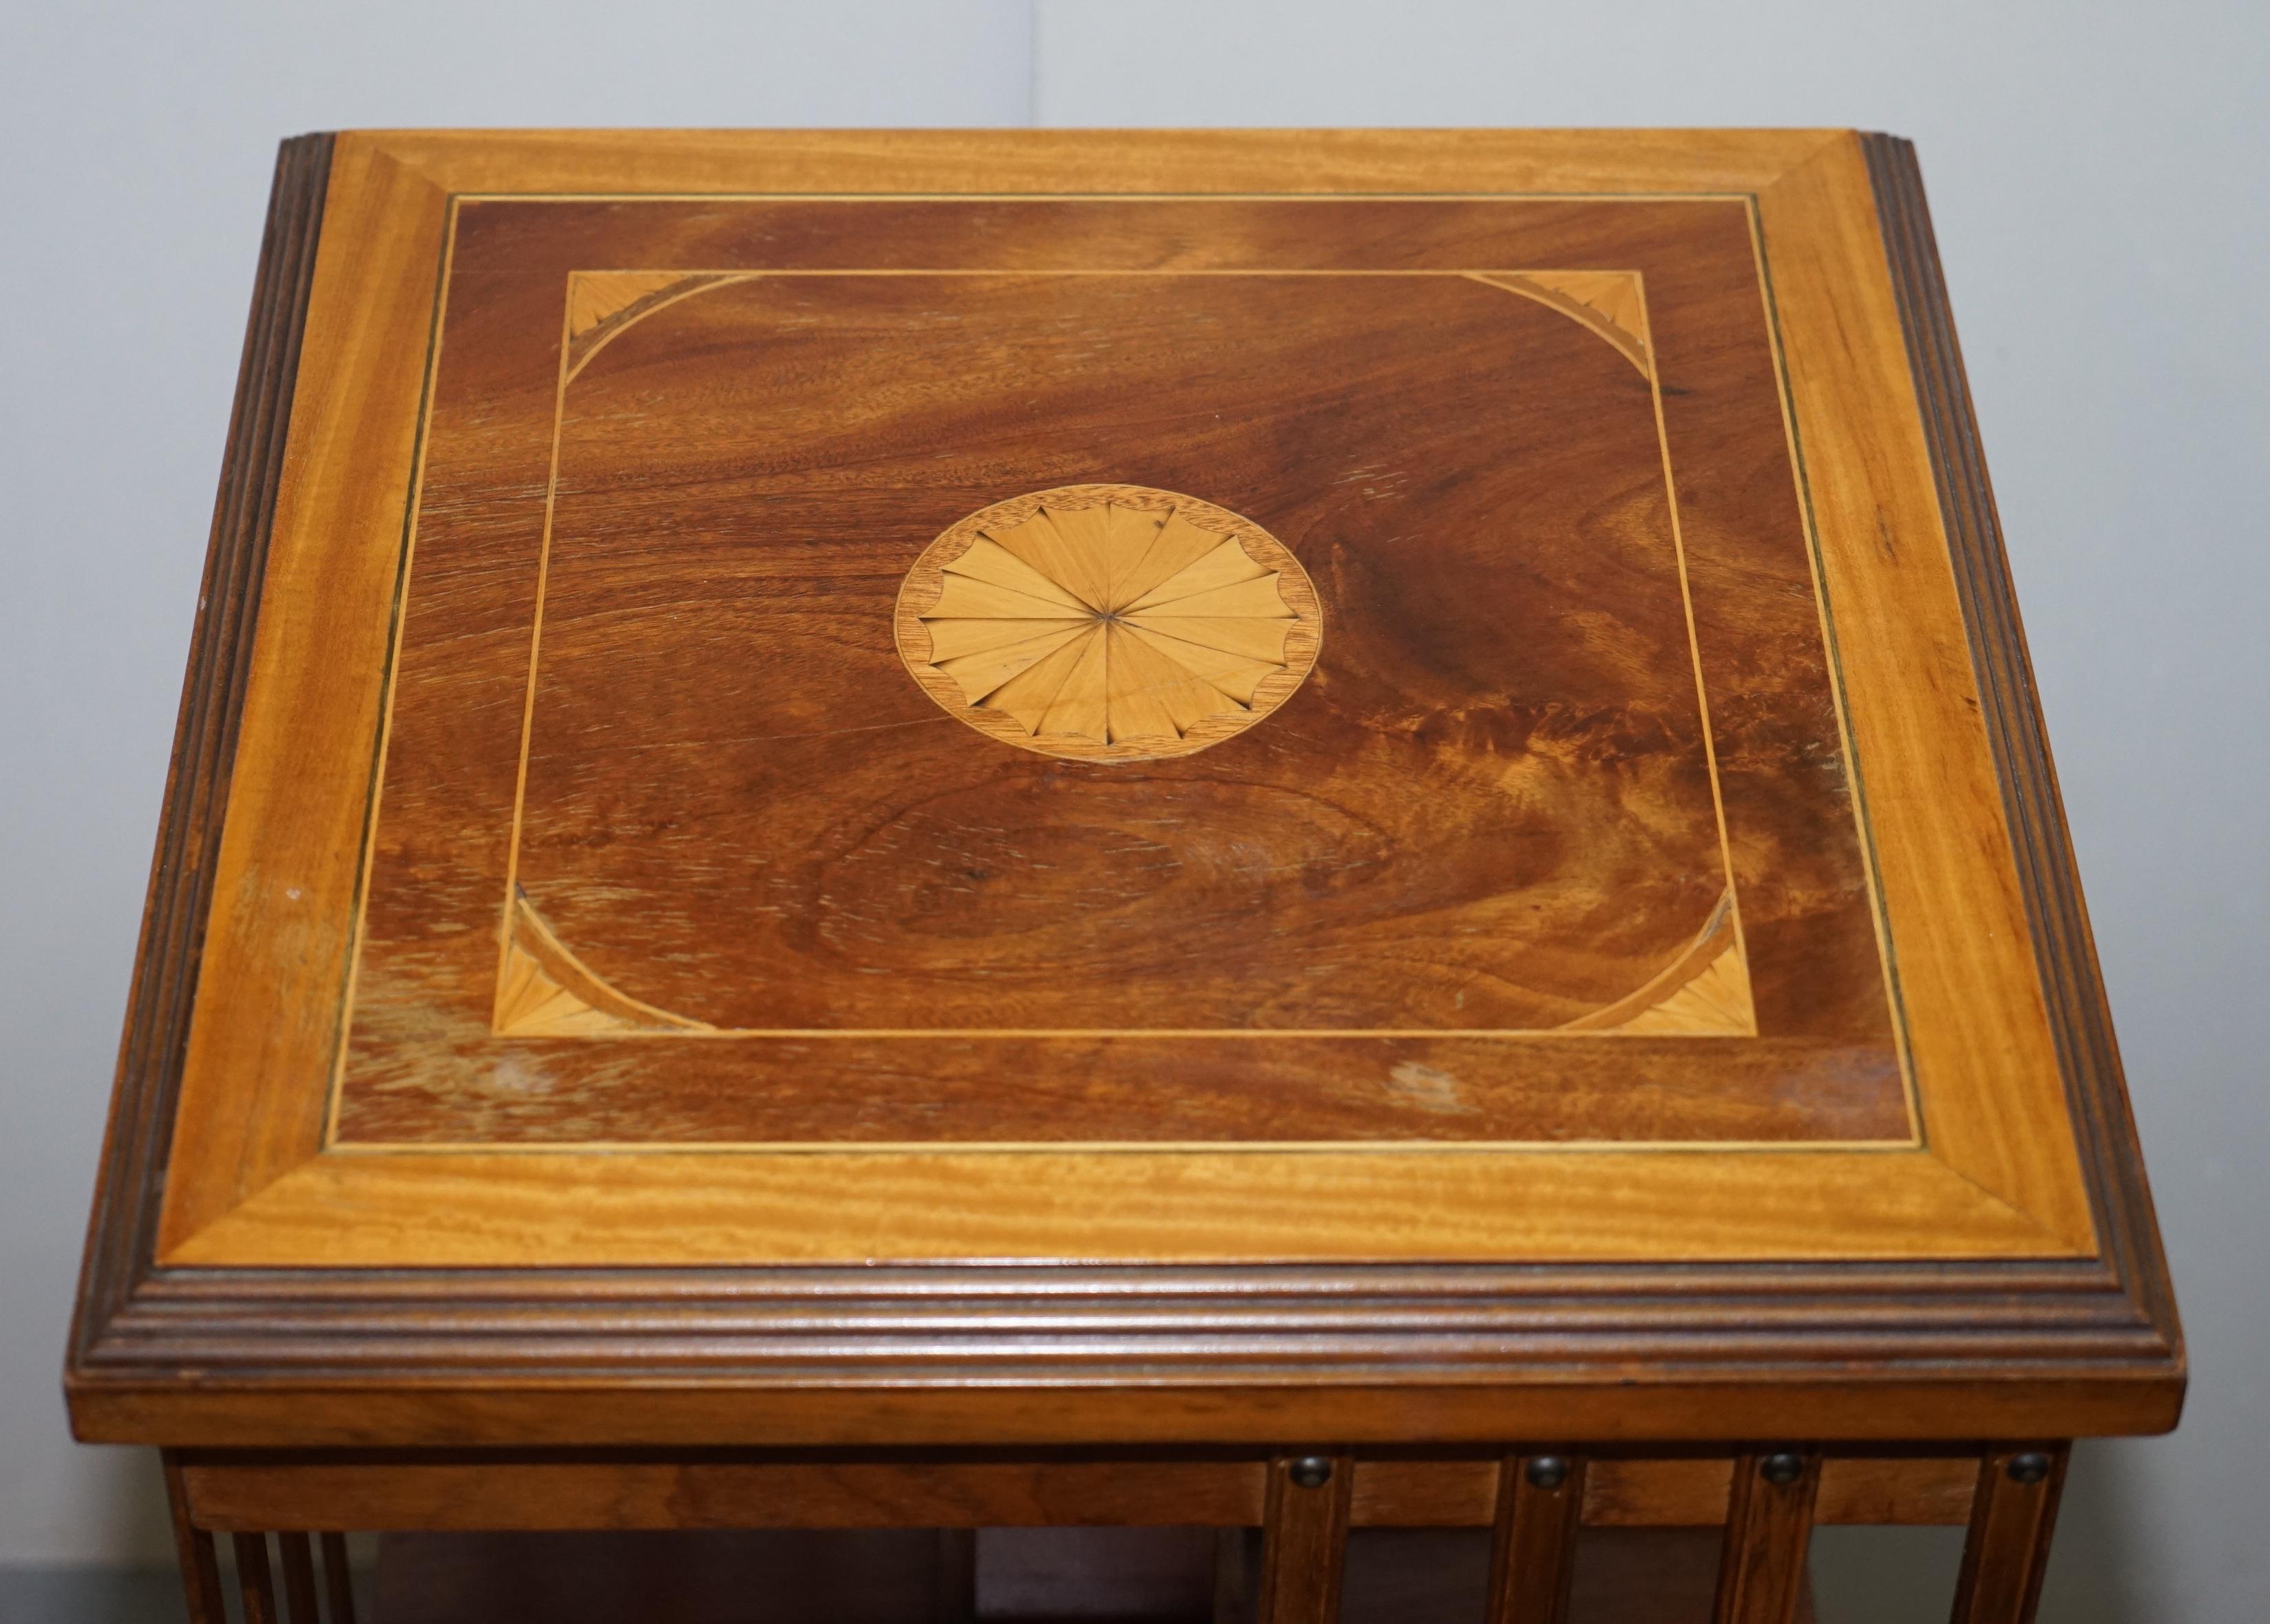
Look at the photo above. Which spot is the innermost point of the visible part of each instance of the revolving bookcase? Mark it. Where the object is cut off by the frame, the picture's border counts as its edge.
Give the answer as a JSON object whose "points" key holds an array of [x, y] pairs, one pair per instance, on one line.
{"points": [[1274, 829]]}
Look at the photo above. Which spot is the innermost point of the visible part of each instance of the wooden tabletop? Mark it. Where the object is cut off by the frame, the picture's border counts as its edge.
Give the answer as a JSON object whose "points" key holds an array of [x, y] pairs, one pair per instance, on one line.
{"points": [[1245, 777]]}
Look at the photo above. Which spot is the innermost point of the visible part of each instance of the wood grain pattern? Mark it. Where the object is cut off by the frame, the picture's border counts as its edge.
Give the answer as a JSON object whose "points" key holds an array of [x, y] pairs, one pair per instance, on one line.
{"points": [[1638, 162], [854, 936], [2007, 1552], [472, 1494], [1397, 1492], [1533, 1556], [1916, 1491], [1899, 627], [1678, 1492], [1187, 1403], [1694, 1492], [879, 961], [473, 1208], [1883, 1349], [1769, 1530], [256, 1581], [1303, 1542], [244, 1492], [334, 548]]}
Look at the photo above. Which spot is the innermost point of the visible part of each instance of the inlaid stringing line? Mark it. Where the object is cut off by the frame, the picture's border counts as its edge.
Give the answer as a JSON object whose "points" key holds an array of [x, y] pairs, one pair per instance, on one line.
{"points": [[1080, 1147]]}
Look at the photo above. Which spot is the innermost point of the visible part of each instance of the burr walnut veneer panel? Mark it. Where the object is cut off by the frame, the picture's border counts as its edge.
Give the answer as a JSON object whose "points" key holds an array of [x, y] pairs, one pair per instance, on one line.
{"points": [[1555, 840]]}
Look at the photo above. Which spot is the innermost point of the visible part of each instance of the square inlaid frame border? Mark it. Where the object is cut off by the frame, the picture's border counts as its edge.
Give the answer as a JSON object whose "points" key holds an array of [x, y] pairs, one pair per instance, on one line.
{"points": [[247, 1183]]}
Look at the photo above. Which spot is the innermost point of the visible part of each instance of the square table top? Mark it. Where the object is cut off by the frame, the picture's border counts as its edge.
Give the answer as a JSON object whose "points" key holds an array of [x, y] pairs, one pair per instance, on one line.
{"points": [[1071, 727]]}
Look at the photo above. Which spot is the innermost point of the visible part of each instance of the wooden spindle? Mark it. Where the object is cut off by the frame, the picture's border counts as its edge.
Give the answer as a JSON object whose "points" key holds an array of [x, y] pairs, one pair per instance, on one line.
{"points": [[194, 1548], [1769, 1528], [338, 1582], [299, 1579], [253, 1581], [1540, 1502], [2013, 1514], [1304, 1540]]}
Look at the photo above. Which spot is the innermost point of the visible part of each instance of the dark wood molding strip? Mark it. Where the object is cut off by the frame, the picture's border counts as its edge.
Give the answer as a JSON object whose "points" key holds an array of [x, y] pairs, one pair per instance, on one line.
{"points": [[2002, 1350], [132, 1181], [256, 1581], [2072, 982], [338, 1583]]}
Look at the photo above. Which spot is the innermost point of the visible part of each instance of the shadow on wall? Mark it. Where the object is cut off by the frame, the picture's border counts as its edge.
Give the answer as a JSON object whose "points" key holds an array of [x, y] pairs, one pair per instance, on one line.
{"points": [[85, 1595], [1884, 1575], [2093, 1578], [1897, 1576]]}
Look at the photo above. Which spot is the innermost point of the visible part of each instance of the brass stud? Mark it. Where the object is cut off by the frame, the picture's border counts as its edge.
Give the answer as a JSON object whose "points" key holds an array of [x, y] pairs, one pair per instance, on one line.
{"points": [[1782, 1469]]}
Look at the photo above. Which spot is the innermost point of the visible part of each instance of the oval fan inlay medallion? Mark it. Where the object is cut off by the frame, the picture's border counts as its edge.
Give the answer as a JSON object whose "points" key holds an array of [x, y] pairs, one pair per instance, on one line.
{"points": [[1107, 622]]}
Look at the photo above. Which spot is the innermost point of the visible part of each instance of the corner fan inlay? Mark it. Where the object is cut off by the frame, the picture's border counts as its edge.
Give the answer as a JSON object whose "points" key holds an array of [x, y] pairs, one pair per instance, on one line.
{"points": [[1107, 623]]}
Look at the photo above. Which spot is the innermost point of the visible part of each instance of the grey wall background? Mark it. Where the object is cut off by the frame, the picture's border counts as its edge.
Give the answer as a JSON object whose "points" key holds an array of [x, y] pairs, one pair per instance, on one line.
{"points": [[2100, 176]]}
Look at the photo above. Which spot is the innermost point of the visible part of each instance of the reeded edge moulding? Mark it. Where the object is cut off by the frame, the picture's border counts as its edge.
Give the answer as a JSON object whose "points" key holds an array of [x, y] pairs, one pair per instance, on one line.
{"points": [[1107, 622]]}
